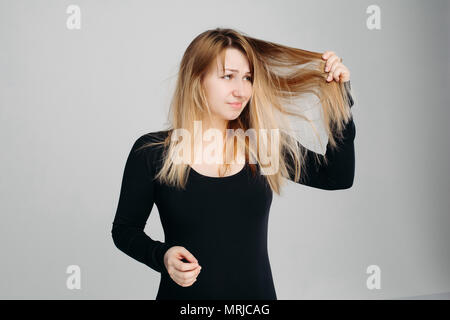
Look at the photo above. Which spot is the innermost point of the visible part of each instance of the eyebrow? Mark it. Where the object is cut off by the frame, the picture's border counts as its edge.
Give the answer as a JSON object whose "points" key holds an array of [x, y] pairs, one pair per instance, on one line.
{"points": [[234, 70]]}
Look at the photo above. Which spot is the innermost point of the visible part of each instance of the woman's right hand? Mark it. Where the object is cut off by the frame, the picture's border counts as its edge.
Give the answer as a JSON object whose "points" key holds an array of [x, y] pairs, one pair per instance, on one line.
{"points": [[183, 273]]}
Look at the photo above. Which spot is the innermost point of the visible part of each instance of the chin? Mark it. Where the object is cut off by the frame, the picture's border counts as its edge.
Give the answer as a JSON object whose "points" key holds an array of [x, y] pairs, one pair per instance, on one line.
{"points": [[233, 116]]}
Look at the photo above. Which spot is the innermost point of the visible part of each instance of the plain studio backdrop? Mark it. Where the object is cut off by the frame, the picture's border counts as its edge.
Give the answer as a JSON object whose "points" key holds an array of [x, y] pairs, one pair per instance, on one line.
{"points": [[73, 100]]}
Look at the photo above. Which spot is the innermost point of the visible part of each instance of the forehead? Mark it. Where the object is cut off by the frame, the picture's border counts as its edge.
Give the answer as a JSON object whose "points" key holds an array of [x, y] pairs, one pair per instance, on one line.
{"points": [[235, 61]]}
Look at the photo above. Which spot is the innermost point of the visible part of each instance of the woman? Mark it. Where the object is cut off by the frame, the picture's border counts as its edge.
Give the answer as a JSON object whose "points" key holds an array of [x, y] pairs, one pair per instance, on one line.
{"points": [[215, 214]]}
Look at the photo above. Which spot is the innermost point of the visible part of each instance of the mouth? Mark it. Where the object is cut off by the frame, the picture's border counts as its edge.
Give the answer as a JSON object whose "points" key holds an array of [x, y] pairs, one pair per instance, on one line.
{"points": [[236, 105]]}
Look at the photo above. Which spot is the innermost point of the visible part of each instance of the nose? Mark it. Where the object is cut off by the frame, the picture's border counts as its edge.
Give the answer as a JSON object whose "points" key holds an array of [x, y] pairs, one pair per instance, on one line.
{"points": [[239, 90]]}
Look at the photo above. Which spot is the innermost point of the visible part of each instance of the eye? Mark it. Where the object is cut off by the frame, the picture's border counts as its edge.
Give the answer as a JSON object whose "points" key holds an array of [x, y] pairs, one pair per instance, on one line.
{"points": [[230, 75]]}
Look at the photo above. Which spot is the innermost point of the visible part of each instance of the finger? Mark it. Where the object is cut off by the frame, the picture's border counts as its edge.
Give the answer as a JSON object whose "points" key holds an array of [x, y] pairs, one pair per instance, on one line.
{"points": [[174, 274], [184, 266], [187, 276], [327, 54], [192, 282], [178, 277], [333, 69], [340, 74], [345, 76], [189, 256], [330, 62], [330, 57], [331, 75], [336, 65], [188, 284], [337, 74]]}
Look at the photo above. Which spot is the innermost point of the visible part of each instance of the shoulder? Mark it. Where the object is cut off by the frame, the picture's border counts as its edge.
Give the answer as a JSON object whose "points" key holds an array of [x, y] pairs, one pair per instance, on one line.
{"points": [[144, 141], [149, 146], [157, 135]]}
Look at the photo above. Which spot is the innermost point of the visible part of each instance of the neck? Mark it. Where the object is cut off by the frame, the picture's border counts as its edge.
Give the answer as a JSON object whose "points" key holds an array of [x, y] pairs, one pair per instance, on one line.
{"points": [[221, 125]]}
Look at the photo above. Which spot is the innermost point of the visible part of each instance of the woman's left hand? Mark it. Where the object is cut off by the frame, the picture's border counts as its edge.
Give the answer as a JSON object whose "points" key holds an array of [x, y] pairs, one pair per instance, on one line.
{"points": [[338, 71]]}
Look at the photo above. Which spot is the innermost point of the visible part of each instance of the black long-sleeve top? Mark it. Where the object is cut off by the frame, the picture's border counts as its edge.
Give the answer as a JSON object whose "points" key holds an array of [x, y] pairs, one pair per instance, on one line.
{"points": [[222, 221]]}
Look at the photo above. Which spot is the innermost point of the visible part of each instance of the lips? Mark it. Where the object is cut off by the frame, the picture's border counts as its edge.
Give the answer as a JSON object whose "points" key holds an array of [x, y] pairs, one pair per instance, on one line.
{"points": [[236, 104]]}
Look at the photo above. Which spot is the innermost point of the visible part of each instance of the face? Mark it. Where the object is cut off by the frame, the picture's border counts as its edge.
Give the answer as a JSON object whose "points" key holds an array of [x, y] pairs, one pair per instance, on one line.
{"points": [[221, 89]]}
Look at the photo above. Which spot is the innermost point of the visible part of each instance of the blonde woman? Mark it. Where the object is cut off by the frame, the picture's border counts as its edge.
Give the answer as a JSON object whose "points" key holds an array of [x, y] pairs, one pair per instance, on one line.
{"points": [[215, 214]]}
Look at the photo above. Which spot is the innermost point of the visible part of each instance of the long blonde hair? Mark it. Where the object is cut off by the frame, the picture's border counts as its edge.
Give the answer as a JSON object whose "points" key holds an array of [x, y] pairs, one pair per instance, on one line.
{"points": [[280, 74]]}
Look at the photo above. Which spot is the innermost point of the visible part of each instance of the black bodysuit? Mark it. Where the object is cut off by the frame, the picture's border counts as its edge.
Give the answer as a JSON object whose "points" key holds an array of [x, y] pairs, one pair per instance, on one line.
{"points": [[222, 221]]}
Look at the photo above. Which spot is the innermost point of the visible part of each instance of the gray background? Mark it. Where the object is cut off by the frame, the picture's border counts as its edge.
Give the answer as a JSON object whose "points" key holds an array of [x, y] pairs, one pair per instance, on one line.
{"points": [[74, 101]]}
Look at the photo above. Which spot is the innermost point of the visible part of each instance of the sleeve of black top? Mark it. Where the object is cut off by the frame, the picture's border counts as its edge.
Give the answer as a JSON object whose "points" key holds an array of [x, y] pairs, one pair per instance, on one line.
{"points": [[134, 207], [340, 170]]}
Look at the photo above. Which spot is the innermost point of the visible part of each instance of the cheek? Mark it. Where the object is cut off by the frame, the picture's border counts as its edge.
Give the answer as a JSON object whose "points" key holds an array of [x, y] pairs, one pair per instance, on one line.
{"points": [[219, 92]]}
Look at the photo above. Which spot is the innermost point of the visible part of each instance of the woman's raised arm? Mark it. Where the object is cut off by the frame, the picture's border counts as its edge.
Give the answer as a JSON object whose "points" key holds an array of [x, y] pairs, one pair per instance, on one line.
{"points": [[340, 170]]}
